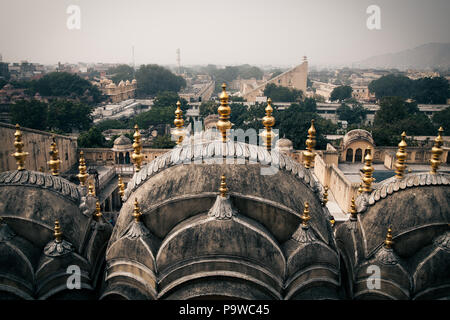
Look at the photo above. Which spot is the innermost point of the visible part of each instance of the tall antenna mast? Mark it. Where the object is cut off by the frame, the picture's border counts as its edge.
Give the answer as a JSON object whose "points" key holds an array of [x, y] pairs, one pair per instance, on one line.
{"points": [[132, 54], [178, 61]]}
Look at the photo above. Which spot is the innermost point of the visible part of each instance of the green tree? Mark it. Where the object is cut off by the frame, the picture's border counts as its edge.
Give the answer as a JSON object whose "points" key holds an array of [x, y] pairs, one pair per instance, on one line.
{"points": [[355, 114], [65, 116], [207, 108], [121, 72], [392, 85], [153, 79], [30, 114], [93, 138], [431, 90], [442, 119], [395, 116], [163, 142], [282, 94], [169, 99], [341, 93], [63, 84]]}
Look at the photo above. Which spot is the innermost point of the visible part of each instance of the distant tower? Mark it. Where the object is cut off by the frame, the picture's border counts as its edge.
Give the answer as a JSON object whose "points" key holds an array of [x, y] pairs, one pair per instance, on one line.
{"points": [[1, 58], [179, 61], [132, 57]]}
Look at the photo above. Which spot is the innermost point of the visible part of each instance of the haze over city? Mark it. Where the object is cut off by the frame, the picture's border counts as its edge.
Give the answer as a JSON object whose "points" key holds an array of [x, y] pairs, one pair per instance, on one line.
{"points": [[216, 32]]}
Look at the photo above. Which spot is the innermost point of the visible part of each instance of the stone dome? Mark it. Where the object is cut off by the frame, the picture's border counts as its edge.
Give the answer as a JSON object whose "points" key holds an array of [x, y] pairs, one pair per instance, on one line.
{"points": [[356, 135], [33, 263], [122, 143], [417, 211], [243, 246], [284, 145]]}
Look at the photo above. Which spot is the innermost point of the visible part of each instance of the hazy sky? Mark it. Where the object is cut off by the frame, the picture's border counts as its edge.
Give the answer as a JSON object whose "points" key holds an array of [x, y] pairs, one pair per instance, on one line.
{"points": [[220, 32]]}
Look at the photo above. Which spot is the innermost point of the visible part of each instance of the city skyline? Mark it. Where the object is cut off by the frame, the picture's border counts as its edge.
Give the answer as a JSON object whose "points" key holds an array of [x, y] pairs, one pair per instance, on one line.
{"points": [[281, 33]]}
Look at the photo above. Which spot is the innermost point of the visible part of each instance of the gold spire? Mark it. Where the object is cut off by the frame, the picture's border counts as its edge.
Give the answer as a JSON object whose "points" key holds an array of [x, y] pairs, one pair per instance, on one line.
{"points": [[268, 122], [82, 175], [137, 146], [388, 242], [20, 155], [368, 170], [136, 211], [305, 216], [58, 233], [224, 111], [91, 189], [353, 211], [332, 221], [436, 152], [308, 154], [54, 158], [360, 189], [179, 123], [401, 157], [223, 187], [121, 186], [325, 196], [98, 212]]}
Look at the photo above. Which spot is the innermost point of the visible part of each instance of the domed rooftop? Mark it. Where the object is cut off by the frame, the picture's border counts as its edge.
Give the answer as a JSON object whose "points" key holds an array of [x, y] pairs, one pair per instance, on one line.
{"points": [[122, 143], [355, 135], [284, 145], [414, 214], [237, 242]]}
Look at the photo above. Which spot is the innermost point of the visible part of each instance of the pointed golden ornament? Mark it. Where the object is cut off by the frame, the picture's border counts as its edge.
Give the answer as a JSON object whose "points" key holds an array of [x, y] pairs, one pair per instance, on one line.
{"points": [[98, 212], [91, 189], [388, 241], [268, 122], [401, 158], [82, 175], [224, 110], [353, 212], [308, 154], [19, 155], [368, 170], [121, 186], [58, 233], [325, 196], [436, 152], [179, 123], [137, 156], [305, 216], [54, 161], [136, 211], [223, 187]]}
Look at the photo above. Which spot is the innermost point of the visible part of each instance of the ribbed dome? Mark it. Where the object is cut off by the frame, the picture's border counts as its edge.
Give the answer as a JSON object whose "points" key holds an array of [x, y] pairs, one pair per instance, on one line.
{"points": [[122, 141]]}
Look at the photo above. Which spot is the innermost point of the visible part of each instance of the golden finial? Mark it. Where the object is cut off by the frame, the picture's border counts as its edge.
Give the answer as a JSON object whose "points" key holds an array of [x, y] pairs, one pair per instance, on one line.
{"points": [[332, 221], [436, 152], [20, 155], [82, 175], [368, 170], [98, 212], [58, 233], [179, 123], [325, 196], [223, 187], [360, 189], [136, 211], [91, 189], [54, 158], [224, 111], [401, 157], [121, 186], [137, 146], [353, 212], [388, 241], [268, 122], [305, 216], [308, 154]]}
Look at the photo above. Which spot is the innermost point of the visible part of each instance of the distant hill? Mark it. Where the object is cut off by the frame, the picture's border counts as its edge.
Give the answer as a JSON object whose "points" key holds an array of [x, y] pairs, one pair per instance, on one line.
{"points": [[430, 55]]}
